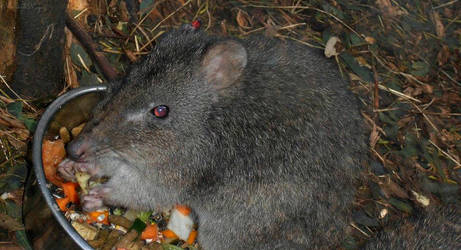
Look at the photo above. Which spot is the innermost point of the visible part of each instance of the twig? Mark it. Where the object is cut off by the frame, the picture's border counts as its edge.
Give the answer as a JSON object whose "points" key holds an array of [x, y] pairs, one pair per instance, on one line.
{"points": [[170, 15], [307, 8], [109, 72], [299, 41], [397, 93], [142, 20], [446, 154], [19, 98], [445, 4], [427, 118]]}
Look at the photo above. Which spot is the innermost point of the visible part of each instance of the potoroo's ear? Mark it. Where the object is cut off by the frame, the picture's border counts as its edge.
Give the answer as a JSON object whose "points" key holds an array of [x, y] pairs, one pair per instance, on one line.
{"points": [[224, 63]]}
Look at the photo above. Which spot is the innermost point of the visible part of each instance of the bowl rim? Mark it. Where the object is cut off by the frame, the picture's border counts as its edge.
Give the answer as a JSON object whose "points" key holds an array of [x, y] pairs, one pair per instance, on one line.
{"points": [[39, 134]]}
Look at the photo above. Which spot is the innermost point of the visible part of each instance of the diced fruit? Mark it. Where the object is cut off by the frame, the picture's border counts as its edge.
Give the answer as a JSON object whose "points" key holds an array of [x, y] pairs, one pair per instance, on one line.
{"points": [[53, 152], [180, 222], [62, 203], [150, 232], [98, 217], [169, 234], [192, 236], [70, 191]]}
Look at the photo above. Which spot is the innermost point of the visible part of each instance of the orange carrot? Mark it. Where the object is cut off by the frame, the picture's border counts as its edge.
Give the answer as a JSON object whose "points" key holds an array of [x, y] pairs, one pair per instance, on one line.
{"points": [[98, 217], [192, 237], [183, 209], [70, 191], [62, 203], [150, 232], [169, 234]]}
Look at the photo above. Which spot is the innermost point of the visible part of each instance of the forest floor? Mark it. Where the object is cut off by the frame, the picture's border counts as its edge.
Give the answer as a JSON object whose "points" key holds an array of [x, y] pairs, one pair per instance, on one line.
{"points": [[402, 58]]}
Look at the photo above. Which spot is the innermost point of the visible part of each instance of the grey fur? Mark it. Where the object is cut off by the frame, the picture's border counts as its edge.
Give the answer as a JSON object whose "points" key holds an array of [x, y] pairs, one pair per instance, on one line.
{"points": [[267, 162]]}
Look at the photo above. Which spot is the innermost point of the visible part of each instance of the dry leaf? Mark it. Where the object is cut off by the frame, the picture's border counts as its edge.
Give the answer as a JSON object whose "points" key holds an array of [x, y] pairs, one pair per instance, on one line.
{"points": [[391, 188], [370, 40], [443, 55], [9, 223], [389, 10], [374, 137], [330, 47], [423, 200], [439, 28], [243, 20], [428, 89]]}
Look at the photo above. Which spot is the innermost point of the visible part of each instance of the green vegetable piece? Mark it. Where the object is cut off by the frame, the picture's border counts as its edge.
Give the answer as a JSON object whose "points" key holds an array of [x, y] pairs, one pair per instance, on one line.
{"points": [[138, 225], [144, 216], [170, 247]]}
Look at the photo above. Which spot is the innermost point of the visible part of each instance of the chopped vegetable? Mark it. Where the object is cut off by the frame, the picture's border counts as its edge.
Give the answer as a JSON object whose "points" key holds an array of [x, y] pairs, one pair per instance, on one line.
{"points": [[76, 131], [150, 232], [120, 220], [185, 210], [180, 222], [82, 179], [98, 217], [64, 134], [192, 236], [86, 231], [169, 234], [70, 191], [62, 203], [138, 225], [144, 216], [53, 152]]}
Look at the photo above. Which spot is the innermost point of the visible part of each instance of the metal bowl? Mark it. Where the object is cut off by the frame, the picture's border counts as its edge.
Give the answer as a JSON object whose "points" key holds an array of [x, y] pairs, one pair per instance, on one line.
{"points": [[45, 225]]}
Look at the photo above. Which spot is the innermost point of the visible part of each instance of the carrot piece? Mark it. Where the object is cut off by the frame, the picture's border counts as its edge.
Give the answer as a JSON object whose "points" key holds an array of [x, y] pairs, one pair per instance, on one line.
{"points": [[192, 236], [150, 232], [183, 209], [169, 234], [62, 203], [98, 217], [70, 190], [53, 152]]}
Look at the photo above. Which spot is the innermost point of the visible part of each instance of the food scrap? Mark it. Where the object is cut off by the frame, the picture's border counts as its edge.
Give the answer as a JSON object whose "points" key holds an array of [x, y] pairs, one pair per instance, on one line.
{"points": [[53, 152], [113, 227]]}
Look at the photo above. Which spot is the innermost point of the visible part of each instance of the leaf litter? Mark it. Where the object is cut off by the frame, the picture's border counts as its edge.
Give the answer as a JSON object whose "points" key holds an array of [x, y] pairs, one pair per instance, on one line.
{"points": [[402, 59]]}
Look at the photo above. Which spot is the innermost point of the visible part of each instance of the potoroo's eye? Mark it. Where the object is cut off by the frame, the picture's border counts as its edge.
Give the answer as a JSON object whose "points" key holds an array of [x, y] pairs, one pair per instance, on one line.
{"points": [[160, 111]]}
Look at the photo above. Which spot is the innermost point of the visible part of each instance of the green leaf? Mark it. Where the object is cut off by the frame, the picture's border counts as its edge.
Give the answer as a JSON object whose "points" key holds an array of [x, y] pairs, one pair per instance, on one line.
{"points": [[145, 6], [123, 27], [138, 225], [362, 72], [22, 240], [356, 40], [76, 51], [13, 179], [30, 123], [332, 10], [12, 209], [88, 79], [14, 108], [170, 247], [419, 68], [401, 205]]}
